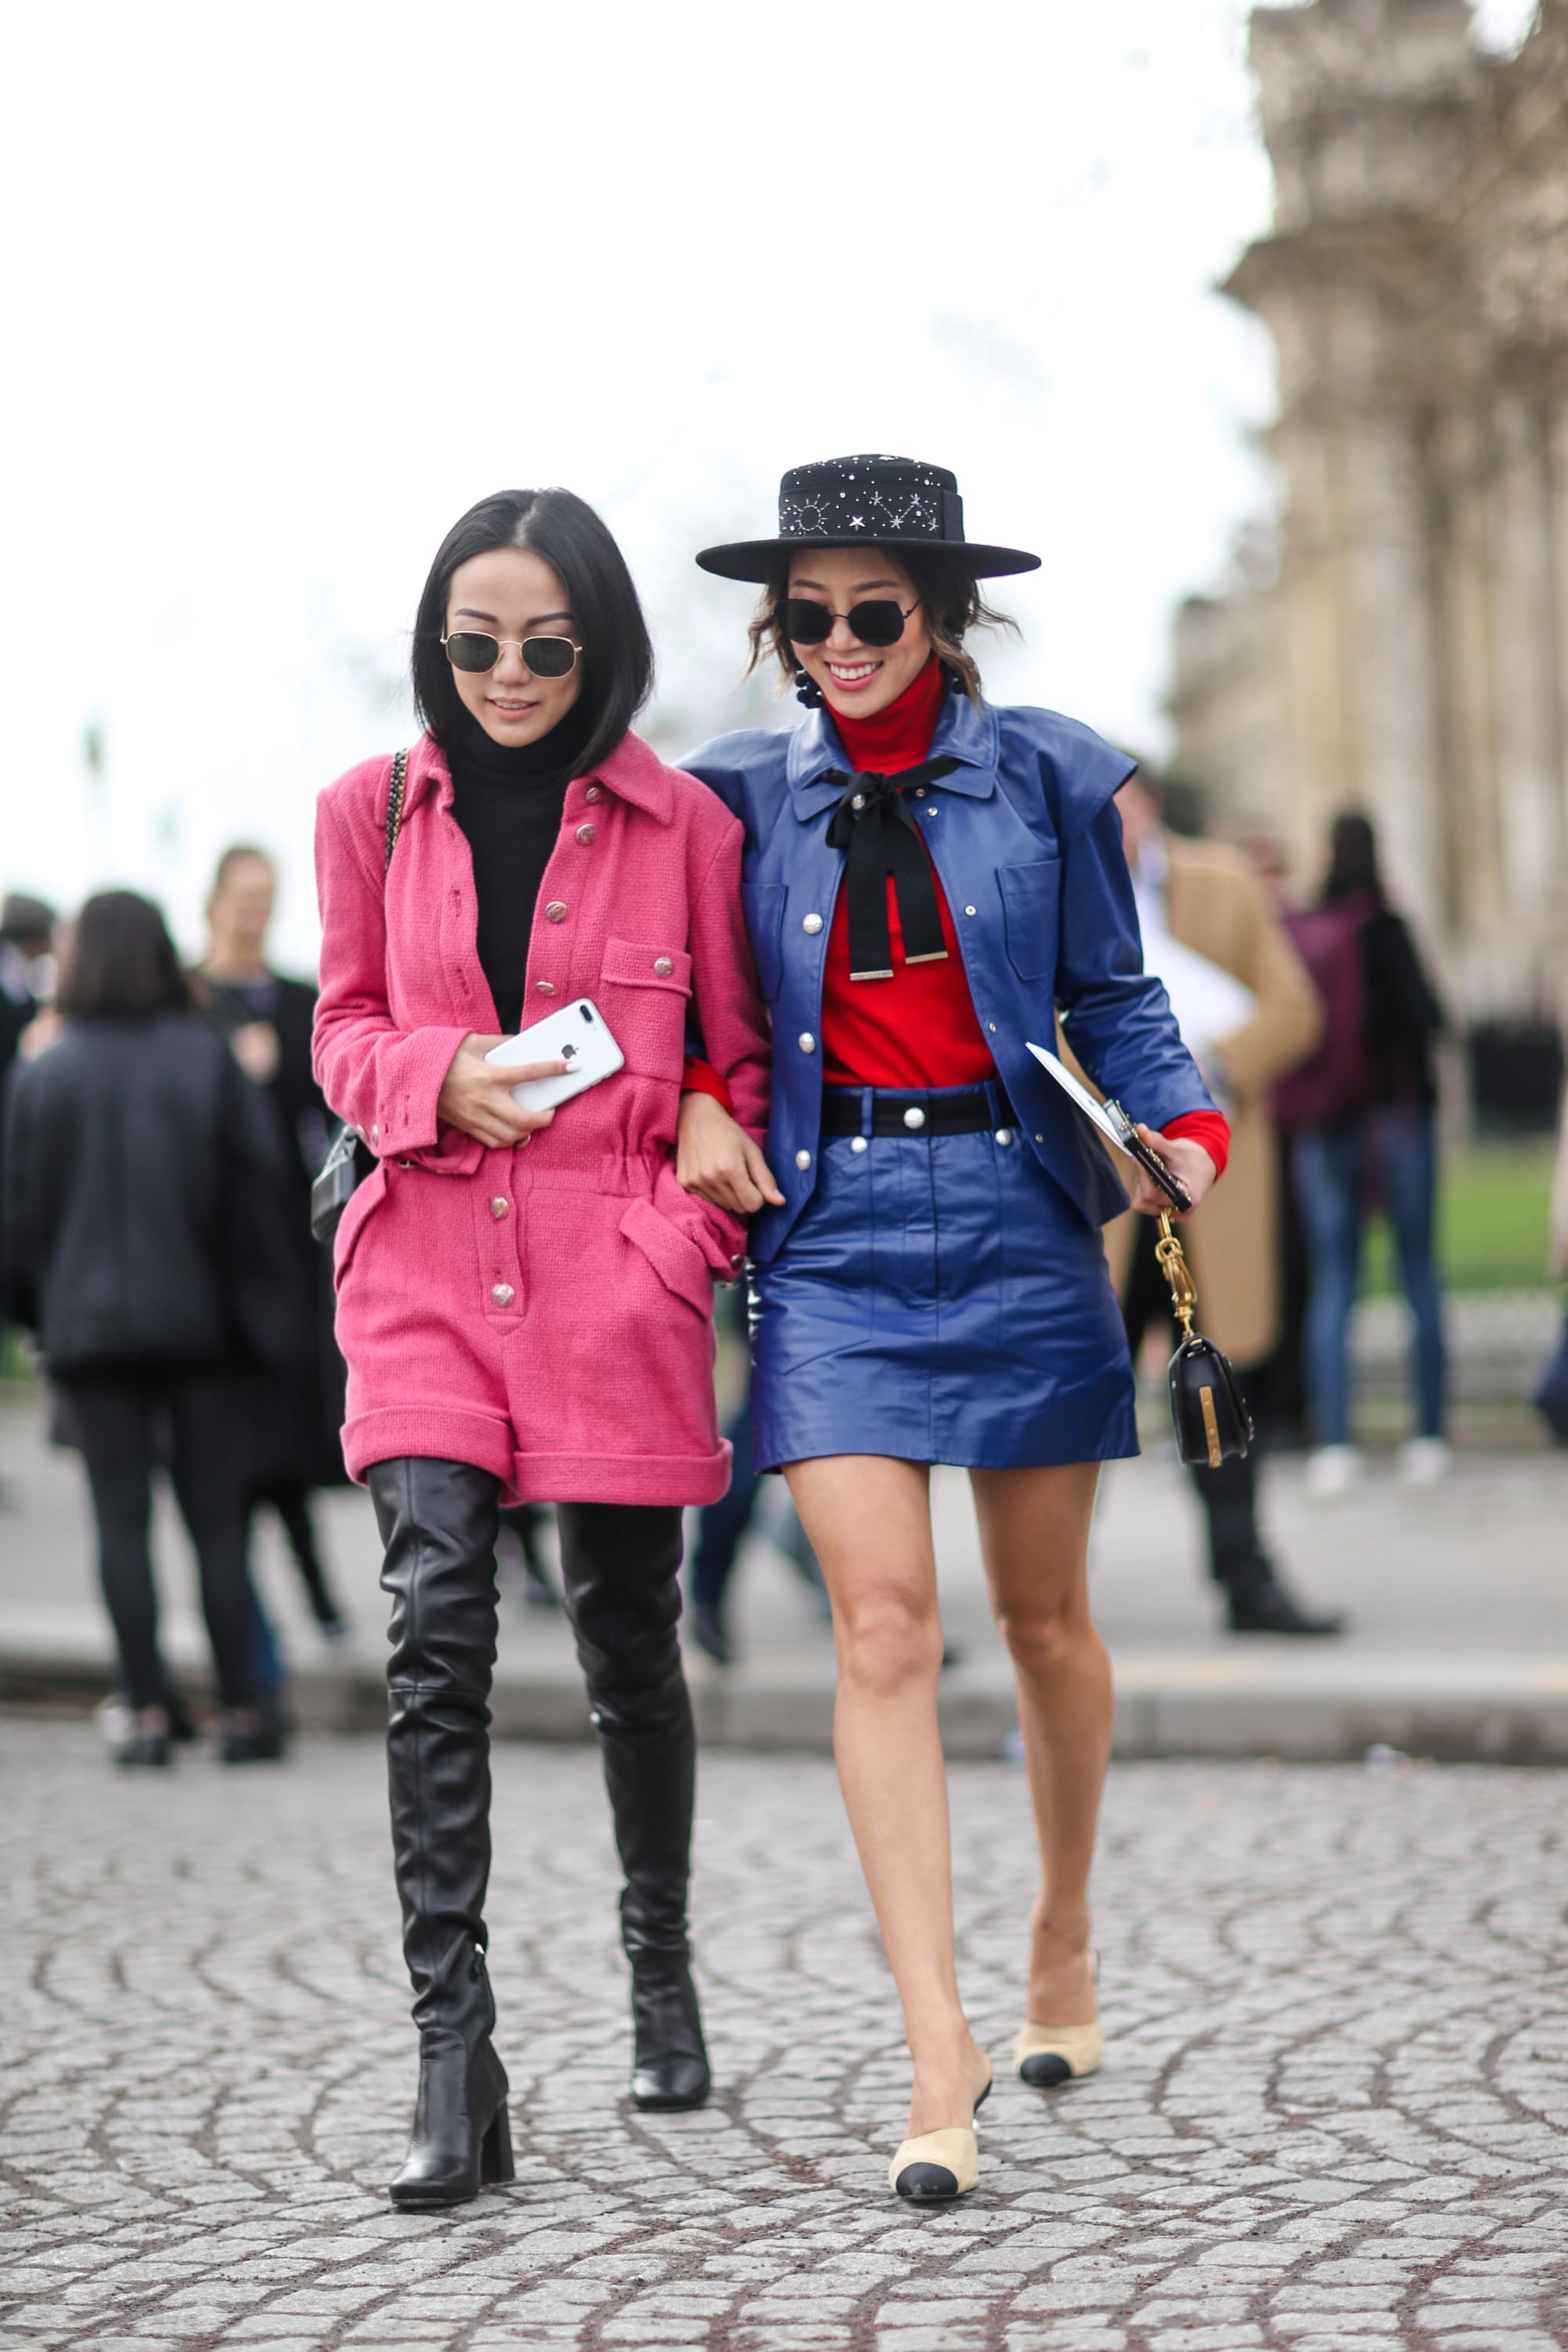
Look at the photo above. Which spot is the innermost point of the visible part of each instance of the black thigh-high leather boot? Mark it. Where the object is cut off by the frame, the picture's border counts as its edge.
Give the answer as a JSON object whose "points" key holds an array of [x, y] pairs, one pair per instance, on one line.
{"points": [[437, 1522], [620, 1565]]}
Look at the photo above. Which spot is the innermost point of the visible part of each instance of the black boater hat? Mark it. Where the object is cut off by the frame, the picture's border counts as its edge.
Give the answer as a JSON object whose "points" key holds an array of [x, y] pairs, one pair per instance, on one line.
{"points": [[840, 502]]}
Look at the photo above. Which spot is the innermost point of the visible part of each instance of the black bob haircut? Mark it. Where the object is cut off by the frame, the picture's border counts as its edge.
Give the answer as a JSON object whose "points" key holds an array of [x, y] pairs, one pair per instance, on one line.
{"points": [[563, 529], [121, 964]]}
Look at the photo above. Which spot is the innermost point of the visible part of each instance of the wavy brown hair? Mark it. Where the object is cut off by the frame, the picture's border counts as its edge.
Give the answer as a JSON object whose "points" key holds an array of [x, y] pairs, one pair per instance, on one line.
{"points": [[950, 597]]}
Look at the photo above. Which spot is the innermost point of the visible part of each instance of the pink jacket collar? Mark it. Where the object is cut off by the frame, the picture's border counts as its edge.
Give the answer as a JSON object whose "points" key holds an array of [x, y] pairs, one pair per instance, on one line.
{"points": [[632, 772]]}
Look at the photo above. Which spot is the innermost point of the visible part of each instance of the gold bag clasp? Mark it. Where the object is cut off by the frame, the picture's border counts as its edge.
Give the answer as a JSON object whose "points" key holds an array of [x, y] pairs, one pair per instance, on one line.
{"points": [[1173, 1265]]}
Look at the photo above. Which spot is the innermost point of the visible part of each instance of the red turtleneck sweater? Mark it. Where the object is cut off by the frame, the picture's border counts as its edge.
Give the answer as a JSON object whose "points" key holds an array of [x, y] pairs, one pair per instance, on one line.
{"points": [[917, 1029]]}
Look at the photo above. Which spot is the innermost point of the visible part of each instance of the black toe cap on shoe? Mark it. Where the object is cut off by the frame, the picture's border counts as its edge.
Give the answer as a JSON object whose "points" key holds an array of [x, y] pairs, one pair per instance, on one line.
{"points": [[1046, 2069], [927, 2184], [428, 2196], [668, 2089]]}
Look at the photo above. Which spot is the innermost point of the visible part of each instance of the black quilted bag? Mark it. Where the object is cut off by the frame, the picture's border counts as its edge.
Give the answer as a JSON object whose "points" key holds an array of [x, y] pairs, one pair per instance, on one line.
{"points": [[348, 1161]]}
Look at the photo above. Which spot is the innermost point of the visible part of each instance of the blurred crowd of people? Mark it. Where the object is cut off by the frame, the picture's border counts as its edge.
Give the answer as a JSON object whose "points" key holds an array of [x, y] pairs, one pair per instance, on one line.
{"points": [[162, 1130], [163, 1126], [1315, 1026]]}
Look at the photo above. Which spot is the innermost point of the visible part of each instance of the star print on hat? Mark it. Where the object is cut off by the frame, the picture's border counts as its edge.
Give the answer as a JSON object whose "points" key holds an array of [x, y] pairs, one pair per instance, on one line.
{"points": [[891, 501]]}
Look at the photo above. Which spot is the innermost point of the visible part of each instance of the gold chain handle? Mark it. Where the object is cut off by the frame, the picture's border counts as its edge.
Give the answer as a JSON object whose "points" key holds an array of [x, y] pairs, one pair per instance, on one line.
{"points": [[1178, 1274]]}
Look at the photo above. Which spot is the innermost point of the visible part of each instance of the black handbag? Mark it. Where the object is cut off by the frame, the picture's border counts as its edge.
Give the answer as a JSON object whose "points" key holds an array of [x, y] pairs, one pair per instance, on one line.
{"points": [[1207, 1409], [348, 1161], [1212, 1422]]}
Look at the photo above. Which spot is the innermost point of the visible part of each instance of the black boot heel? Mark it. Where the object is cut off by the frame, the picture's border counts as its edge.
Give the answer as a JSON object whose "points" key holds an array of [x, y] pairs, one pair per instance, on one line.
{"points": [[495, 2155]]}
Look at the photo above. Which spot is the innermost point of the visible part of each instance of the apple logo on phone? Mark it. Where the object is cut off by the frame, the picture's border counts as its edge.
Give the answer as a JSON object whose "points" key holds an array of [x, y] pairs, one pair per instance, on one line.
{"points": [[568, 1052]]}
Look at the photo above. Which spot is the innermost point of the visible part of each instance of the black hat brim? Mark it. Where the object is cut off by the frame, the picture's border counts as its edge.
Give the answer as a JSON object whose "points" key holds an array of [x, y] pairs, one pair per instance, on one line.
{"points": [[755, 558]]}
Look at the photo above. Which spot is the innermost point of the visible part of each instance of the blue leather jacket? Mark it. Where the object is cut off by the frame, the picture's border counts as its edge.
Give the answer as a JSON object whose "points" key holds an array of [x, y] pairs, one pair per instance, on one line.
{"points": [[1028, 847]]}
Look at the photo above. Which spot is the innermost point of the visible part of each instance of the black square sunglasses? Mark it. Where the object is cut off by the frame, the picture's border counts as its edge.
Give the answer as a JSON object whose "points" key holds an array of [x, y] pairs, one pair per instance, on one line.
{"points": [[879, 620]]}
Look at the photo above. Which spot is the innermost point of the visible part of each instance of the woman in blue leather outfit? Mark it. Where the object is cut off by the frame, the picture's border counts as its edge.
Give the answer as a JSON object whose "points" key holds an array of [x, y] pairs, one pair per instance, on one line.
{"points": [[929, 880]]}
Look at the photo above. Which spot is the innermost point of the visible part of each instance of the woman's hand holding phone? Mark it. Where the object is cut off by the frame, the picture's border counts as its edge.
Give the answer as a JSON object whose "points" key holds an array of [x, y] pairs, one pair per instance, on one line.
{"points": [[476, 1095], [716, 1159], [1185, 1158]]}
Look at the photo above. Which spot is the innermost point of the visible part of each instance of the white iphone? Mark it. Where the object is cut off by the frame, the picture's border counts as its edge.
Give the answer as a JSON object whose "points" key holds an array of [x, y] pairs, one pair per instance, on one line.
{"points": [[576, 1035]]}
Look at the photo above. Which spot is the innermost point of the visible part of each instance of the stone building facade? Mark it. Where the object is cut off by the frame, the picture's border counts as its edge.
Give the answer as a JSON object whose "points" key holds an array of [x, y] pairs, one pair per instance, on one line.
{"points": [[1405, 649]]}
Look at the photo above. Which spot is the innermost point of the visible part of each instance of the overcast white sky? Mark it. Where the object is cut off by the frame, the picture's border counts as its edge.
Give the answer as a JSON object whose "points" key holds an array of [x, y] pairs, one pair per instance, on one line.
{"points": [[291, 288]]}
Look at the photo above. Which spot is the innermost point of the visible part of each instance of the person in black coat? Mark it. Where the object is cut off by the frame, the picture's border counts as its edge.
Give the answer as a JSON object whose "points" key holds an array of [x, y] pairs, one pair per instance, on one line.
{"points": [[26, 943], [268, 1021], [142, 1245]]}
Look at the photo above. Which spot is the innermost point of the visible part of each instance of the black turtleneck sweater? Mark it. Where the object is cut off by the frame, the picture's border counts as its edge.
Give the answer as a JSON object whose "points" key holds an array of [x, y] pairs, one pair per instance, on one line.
{"points": [[509, 801]]}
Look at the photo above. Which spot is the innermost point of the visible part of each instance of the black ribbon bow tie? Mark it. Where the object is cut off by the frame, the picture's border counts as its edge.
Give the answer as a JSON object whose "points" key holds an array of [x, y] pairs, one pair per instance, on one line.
{"points": [[877, 828]]}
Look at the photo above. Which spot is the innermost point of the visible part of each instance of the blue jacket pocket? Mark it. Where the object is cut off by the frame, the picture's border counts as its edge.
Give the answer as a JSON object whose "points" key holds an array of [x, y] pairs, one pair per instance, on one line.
{"points": [[1030, 898]]}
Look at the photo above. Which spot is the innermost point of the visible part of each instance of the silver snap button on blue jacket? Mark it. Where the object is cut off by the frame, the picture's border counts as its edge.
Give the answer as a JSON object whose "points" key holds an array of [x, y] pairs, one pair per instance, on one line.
{"points": [[944, 1298]]}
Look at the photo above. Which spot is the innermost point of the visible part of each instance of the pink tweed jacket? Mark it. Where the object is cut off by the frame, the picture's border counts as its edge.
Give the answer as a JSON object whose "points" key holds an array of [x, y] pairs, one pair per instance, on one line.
{"points": [[544, 1312]]}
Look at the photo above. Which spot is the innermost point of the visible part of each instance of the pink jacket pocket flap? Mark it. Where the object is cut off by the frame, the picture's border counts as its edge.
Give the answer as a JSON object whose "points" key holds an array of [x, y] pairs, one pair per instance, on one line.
{"points": [[647, 967], [677, 1261]]}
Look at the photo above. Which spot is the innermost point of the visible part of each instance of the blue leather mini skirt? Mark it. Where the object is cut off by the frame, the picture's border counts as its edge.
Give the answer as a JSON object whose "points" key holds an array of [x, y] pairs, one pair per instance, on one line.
{"points": [[939, 1300]]}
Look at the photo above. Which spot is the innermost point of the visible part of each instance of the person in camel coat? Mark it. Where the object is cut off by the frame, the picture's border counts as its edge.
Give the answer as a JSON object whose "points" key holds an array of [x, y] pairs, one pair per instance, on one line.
{"points": [[1202, 895]]}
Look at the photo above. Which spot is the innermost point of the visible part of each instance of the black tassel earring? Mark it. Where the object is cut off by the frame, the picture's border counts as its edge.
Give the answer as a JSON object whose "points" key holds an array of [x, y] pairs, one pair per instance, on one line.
{"points": [[806, 690]]}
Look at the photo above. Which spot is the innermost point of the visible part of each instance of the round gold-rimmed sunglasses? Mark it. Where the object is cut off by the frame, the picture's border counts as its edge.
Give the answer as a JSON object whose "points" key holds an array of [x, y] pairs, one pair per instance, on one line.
{"points": [[476, 649]]}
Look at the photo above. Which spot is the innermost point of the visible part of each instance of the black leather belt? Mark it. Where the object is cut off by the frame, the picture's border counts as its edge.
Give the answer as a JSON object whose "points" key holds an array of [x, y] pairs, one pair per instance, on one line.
{"points": [[892, 1113]]}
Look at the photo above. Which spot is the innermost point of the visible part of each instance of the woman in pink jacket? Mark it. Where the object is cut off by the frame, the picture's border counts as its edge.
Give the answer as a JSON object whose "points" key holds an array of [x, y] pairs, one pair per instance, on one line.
{"points": [[525, 1298]]}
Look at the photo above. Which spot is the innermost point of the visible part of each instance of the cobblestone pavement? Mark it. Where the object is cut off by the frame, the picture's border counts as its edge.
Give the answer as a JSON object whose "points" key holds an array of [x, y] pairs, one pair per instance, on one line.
{"points": [[1334, 2111]]}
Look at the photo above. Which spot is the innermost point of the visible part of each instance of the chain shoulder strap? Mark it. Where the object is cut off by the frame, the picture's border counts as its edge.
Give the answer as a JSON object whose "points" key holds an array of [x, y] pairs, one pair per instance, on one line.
{"points": [[399, 785]]}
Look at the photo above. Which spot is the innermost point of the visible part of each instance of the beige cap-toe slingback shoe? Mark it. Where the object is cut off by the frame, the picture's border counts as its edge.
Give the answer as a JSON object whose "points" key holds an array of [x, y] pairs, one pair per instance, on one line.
{"points": [[937, 2167], [1045, 2054]]}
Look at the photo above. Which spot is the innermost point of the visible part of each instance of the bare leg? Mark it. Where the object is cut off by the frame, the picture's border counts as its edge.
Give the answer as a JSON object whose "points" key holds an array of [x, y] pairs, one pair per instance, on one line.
{"points": [[868, 1520], [1034, 1534]]}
